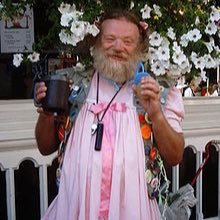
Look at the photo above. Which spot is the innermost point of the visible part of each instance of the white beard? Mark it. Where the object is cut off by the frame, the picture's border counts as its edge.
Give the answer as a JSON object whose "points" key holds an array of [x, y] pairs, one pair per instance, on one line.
{"points": [[119, 72]]}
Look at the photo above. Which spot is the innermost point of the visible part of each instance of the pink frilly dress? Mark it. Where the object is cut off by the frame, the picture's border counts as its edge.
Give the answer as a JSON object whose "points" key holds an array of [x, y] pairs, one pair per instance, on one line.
{"points": [[108, 184]]}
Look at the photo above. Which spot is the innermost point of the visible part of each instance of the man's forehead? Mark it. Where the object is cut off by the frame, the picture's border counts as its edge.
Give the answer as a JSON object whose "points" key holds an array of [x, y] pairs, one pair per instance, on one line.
{"points": [[121, 25]]}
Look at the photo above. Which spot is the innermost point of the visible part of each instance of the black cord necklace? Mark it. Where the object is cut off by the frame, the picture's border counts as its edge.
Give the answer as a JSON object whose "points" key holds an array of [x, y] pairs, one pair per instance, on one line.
{"points": [[99, 127]]}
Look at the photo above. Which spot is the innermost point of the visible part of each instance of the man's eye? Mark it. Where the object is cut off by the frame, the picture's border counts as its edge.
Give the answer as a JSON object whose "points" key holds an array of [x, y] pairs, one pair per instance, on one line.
{"points": [[128, 42], [109, 39]]}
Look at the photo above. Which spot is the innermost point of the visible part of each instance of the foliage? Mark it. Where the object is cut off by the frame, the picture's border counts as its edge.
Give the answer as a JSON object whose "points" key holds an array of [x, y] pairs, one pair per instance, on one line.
{"points": [[185, 38], [170, 20], [9, 9]]}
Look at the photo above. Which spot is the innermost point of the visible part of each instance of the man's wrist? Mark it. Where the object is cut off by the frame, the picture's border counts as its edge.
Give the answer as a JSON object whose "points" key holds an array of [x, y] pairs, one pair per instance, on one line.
{"points": [[157, 117], [46, 113], [53, 117]]}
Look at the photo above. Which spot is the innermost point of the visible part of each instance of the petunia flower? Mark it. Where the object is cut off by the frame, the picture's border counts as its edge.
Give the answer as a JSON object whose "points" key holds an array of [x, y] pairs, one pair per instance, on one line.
{"points": [[194, 35], [215, 14], [155, 39], [64, 8], [163, 53], [146, 12], [209, 61], [171, 34], [157, 10], [211, 28], [157, 68], [34, 57], [17, 59], [93, 30]]}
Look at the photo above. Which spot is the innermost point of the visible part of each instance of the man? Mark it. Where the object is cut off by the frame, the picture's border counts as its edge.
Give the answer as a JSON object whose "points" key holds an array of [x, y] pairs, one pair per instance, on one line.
{"points": [[109, 182]]}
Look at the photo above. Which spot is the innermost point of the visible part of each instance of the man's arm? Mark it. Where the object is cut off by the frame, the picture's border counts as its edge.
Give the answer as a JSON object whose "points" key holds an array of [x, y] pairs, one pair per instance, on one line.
{"points": [[170, 143], [45, 129], [46, 134]]}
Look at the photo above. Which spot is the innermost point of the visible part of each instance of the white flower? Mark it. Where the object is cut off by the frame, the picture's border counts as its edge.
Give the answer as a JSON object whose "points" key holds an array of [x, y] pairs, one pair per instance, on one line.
{"points": [[184, 40], [78, 28], [209, 61], [199, 63], [63, 36], [163, 53], [131, 5], [18, 58], [217, 61], [146, 12], [152, 53], [165, 63], [93, 30], [157, 68], [67, 38], [194, 35], [171, 33], [157, 10], [179, 58], [64, 8], [34, 57], [165, 42], [215, 14], [1, 6], [75, 29], [216, 48], [210, 45], [193, 56], [155, 39], [211, 28], [186, 66], [65, 19], [169, 51], [203, 75], [176, 48]]}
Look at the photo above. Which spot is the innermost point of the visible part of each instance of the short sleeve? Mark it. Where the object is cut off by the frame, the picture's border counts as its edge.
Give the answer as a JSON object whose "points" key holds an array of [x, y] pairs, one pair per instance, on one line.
{"points": [[174, 109]]}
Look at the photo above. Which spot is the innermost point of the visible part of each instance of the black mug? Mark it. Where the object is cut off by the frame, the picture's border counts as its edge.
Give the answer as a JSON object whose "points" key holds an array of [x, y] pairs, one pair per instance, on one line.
{"points": [[57, 94]]}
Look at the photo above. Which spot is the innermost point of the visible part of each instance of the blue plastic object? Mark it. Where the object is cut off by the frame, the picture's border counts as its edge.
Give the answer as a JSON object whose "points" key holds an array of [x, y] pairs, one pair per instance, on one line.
{"points": [[139, 73]]}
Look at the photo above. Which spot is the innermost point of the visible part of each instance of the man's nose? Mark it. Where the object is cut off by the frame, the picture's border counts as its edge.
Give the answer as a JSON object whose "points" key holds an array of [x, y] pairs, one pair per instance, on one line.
{"points": [[118, 45]]}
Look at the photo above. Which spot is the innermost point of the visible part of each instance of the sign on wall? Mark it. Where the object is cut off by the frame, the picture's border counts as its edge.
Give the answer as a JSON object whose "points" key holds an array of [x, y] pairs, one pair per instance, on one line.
{"points": [[17, 35]]}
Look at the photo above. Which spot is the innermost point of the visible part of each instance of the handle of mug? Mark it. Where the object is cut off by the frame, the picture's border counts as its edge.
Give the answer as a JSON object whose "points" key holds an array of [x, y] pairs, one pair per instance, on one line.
{"points": [[139, 66]]}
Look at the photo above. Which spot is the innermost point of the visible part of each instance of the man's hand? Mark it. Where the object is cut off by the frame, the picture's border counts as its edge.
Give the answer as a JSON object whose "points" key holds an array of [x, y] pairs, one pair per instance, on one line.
{"points": [[148, 93], [40, 91]]}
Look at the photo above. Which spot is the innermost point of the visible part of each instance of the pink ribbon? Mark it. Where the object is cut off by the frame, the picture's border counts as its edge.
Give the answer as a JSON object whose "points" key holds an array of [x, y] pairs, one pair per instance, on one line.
{"points": [[98, 108], [107, 152]]}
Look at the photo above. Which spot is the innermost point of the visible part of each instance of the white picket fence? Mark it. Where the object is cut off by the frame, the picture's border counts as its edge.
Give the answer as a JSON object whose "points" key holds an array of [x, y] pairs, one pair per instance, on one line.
{"points": [[17, 143]]}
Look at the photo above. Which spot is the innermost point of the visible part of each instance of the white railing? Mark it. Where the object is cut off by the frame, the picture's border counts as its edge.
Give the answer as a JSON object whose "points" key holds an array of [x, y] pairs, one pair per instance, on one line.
{"points": [[17, 143]]}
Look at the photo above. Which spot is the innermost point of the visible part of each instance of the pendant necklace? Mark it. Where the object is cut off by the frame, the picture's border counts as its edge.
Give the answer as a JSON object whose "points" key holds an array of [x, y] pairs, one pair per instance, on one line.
{"points": [[97, 128]]}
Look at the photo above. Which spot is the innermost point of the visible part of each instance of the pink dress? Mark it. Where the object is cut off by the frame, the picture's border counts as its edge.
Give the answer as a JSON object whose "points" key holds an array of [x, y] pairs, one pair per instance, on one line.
{"points": [[108, 184]]}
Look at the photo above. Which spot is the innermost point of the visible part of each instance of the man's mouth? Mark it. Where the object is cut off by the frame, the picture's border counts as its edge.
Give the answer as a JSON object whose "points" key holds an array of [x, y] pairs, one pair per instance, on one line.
{"points": [[117, 57]]}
